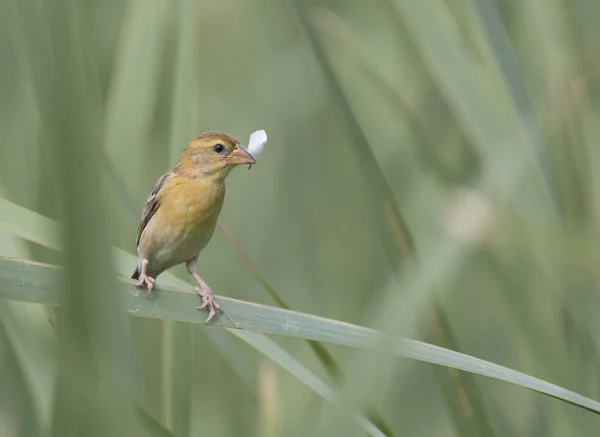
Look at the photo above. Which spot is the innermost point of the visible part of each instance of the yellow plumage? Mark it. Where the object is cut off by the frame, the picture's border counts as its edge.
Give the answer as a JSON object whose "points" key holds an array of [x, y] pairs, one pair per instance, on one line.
{"points": [[181, 212], [183, 224]]}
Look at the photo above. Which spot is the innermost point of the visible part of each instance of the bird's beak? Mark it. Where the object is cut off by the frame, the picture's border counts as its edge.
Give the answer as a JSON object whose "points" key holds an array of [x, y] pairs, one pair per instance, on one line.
{"points": [[239, 156]]}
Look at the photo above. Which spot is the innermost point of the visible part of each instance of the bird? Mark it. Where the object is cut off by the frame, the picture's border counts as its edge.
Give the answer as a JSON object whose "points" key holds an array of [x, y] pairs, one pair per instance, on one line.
{"points": [[181, 211]]}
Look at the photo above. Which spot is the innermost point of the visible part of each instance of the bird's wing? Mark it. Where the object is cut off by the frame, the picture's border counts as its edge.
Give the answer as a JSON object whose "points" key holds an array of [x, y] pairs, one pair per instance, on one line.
{"points": [[151, 206]]}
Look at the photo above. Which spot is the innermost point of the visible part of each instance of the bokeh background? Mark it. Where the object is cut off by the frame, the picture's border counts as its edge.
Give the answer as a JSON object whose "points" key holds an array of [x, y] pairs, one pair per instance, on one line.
{"points": [[432, 168]]}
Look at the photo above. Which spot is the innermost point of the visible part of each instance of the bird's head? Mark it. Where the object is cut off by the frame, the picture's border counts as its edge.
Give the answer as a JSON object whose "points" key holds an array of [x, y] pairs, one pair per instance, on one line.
{"points": [[213, 154]]}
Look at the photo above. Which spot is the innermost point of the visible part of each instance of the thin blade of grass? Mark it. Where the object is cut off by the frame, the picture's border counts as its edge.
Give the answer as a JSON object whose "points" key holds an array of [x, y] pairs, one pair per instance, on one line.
{"points": [[134, 88], [177, 338], [15, 390], [35, 282], [89, 325], [289, 363], [469, 89], [35, 356], [474, 421], [185, 115], [390, 224], [328, 361], [33, 350], [492, 27], [385, 213]]}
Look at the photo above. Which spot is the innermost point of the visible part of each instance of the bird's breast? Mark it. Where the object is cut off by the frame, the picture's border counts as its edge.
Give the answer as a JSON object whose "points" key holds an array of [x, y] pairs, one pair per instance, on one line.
{"points": [[183, 224], [192, 203]]}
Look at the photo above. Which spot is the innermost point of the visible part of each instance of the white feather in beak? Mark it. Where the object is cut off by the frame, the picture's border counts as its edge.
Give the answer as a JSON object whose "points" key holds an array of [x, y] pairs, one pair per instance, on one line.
{"points": [[256, 143]]}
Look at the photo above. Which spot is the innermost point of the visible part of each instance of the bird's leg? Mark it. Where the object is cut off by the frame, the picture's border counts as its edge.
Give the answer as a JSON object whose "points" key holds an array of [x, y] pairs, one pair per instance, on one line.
{"points": [[208, 301], [144, 279], [203, 290]]}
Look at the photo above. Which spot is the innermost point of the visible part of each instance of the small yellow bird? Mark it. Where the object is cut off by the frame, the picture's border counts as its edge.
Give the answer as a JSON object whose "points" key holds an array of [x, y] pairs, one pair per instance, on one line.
{"points": [[181, 212]]}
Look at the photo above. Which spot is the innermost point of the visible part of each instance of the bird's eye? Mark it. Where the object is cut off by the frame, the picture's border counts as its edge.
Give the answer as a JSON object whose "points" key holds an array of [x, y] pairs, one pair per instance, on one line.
{"points": [[219, 148]]}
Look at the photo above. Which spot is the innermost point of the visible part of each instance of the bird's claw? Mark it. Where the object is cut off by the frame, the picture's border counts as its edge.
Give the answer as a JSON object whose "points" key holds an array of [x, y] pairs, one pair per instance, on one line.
{"points": [[208, 302], [147, 281]]}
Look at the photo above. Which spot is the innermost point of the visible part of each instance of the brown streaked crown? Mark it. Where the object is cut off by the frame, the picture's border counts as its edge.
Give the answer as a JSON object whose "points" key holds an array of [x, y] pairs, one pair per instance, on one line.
{"points": [[208, 139]]}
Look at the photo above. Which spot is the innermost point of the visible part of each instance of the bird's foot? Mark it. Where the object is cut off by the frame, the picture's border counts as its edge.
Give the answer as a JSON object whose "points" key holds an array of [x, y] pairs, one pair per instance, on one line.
{"points": [[208, 301], [147, 281]]}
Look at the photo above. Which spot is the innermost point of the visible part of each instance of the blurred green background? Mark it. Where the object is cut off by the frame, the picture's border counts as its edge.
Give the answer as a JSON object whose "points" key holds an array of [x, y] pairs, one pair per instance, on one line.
{"points": [[432, 171]]}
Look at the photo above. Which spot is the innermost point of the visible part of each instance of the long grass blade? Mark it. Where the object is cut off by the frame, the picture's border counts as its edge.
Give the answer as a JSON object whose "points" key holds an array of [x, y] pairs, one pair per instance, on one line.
{"points": [[133, 91], [475, 421], [328, 361], [34, 282]]}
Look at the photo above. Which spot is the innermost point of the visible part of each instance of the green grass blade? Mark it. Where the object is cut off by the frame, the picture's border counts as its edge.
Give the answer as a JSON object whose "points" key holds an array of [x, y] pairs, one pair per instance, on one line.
{"points": [[92, 336], [185, 114], [29, 225], [31, 340], [35, 282], [178, 346], [134, 88], [289, 363], [493, 29], [315, 329], [326, 359], [16, 390], [395, 236], [12, 215], [176, 369], [32, 344], [475, 421], [470, 89], [323, 355], [28, 330]]}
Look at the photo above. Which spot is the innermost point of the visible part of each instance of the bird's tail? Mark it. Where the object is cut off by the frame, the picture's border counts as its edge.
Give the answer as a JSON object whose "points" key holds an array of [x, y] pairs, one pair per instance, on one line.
{"points": [[136, 274]]}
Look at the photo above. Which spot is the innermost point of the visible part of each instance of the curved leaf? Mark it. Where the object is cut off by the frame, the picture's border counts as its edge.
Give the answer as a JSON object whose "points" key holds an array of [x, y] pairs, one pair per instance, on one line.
{"points": [[36, 282]]}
